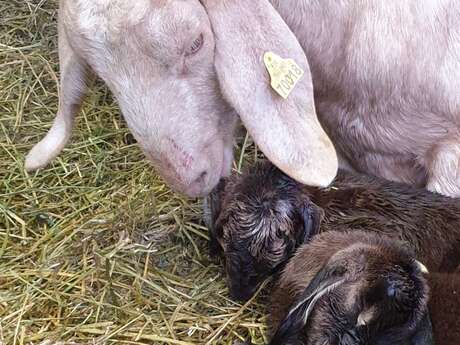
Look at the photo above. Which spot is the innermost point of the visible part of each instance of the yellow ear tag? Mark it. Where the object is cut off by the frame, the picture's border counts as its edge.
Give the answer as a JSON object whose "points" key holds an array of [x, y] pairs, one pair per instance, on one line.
{"points": [[284, 73]]}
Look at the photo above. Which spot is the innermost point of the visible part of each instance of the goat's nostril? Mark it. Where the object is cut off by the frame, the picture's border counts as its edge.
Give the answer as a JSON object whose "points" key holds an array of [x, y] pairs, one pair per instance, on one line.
{"points": [[200, 180], [198, 185], [202, 176]]}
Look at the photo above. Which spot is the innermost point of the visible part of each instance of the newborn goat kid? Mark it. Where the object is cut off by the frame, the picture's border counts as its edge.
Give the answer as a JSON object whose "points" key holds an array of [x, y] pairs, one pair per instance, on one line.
{"points": [[257, 221], [260, 218], [352, 288]]}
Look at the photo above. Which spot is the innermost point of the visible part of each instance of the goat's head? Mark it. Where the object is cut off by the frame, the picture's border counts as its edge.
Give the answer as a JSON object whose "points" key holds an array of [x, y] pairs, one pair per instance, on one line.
{"points": [[183, 71], [366, 289], [257, 221]]}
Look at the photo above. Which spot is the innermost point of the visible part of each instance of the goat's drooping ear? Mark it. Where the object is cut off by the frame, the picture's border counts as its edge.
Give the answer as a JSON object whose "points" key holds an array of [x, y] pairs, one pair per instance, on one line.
{"points": [[286, 130], [212, 208], [72, 85], [424, 333], [311, 216], [325, 281]]}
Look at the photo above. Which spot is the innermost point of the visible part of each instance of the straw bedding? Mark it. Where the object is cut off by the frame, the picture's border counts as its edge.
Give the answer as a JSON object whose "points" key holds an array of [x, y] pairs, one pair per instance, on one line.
{"points": [[95, 249]]}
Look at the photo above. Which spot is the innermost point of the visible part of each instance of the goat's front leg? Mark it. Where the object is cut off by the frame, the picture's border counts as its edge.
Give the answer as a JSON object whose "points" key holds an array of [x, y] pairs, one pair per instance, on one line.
{"points": [[73, 79], [444, 167]]}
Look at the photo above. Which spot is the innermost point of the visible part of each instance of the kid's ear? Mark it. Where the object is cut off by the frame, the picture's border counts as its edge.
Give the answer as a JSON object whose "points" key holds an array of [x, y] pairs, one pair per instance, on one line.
{"points": [[312, 216], [325, 281]]}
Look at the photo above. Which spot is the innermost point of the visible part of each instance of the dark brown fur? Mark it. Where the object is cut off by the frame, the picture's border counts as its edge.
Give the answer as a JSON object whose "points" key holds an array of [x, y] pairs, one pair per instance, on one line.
{"points": [[261, 217], [379, 282], [445, 307], [429, 222]]}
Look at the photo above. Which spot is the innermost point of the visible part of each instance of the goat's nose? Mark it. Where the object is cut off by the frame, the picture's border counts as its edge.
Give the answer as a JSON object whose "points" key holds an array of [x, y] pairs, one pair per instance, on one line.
{"points": [[199, 186]]}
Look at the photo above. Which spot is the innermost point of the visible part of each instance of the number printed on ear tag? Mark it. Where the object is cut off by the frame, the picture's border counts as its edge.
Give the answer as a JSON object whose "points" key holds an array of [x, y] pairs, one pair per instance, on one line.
{"points": [[284, 73]]}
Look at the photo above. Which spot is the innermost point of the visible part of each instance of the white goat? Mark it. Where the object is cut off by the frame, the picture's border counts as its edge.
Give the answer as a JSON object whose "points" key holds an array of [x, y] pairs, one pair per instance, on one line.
{"points": [[386, 77]]}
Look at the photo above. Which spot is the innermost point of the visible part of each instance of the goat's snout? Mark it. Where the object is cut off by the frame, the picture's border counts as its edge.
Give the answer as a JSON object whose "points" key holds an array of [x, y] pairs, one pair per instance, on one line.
{"points": [[191, 170], [241, 294], [202, 181], [200, 186], [243, 285]]}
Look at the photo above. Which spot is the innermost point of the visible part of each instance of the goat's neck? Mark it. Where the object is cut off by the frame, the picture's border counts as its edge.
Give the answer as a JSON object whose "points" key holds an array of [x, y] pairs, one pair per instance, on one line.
{"points": [[318, 25]]}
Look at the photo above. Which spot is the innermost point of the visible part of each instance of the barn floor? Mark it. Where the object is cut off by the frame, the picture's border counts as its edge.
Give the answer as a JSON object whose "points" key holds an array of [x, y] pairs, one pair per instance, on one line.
{"points": [[95, 249]]}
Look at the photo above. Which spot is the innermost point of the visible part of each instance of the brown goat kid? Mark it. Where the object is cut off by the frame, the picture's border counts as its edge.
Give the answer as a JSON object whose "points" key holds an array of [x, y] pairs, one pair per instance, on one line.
{"points": [[354, 288], [258, 220]]}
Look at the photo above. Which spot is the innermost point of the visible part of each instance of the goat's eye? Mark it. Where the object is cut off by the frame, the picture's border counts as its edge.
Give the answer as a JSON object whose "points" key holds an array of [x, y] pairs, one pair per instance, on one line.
{"points": [[196, 45]]}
